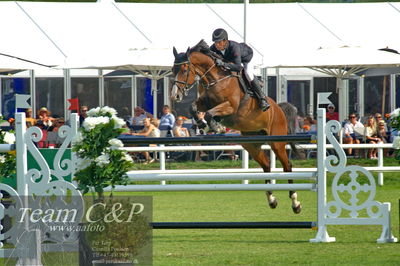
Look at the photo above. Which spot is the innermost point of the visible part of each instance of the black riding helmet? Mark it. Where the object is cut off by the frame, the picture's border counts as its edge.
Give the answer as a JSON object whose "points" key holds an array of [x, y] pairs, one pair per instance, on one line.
{"points": [[219, 35]]}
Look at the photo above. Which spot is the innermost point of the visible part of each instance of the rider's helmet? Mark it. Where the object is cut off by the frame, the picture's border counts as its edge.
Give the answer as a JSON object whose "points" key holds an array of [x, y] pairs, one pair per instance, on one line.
{"points": [[219, 35]]}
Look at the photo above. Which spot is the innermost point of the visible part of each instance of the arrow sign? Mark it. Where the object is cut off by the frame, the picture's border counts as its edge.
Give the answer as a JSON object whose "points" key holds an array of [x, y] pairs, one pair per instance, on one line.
{"points": [[323, 98], [21, 101]]}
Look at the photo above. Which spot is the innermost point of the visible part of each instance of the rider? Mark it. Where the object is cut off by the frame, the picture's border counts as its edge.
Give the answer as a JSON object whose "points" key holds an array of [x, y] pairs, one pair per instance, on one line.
{"points": [[238, 54]]}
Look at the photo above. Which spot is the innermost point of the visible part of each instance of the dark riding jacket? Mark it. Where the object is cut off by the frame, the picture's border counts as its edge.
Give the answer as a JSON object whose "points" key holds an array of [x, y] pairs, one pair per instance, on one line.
{"points": [[235, 53]]}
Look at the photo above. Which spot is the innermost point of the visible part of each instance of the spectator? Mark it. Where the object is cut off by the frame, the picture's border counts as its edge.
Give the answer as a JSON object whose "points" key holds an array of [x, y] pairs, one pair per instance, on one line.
{"points": [[83, 114], [349, 132], [167, 119], [44, 116], [384, 135], [151, 131], [195, 130], [30, 121], [371, 136], [309, 125], [331, 114], [179, 130], [53, 139], [139, 115]]}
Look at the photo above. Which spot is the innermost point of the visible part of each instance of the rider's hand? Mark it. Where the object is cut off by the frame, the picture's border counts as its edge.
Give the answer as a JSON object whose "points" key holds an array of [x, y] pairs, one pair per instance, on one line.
{"points": [[220, 63]]}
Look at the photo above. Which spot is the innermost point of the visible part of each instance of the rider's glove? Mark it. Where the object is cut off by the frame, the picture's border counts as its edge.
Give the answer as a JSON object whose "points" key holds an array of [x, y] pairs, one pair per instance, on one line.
{"points": [[220, 63]]}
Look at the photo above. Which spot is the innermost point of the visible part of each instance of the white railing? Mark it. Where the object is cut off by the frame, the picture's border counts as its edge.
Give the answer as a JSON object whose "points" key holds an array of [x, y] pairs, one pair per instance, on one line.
{"points": [[380, 168]]}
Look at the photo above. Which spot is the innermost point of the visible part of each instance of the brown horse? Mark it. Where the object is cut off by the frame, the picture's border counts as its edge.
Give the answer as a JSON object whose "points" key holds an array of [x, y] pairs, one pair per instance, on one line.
{"points": [[222, 98]]}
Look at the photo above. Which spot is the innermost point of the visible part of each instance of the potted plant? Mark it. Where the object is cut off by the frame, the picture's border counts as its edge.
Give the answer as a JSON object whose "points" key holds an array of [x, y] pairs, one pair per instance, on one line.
{"points": [[101, 163]]}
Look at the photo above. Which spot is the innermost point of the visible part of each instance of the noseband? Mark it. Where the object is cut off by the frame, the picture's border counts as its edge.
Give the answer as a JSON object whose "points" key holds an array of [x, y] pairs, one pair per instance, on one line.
{"points": [[186, 84]]}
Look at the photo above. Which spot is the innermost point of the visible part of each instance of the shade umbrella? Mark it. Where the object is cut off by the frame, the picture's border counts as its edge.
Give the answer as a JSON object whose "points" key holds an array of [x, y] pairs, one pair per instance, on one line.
{"points": [[152, 62], [341, 62], [10, 64]]}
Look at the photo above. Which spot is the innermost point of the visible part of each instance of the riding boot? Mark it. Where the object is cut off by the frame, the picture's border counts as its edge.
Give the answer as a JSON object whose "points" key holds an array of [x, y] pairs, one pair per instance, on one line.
{"points": [[263, 103]]}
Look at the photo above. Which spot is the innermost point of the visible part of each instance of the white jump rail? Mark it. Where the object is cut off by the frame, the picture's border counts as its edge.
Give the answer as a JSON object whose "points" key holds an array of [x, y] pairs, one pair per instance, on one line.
{"points": [[380, 168]]}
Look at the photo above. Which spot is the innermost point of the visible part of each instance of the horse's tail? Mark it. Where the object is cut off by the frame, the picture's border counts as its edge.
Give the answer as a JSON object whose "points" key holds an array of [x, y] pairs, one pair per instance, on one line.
{"points": [[290, 112]]}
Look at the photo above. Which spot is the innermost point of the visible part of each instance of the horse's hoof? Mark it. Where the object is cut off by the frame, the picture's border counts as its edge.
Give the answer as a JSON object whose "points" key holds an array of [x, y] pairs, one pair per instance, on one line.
{"points": [[273, 204], [297, 209]]}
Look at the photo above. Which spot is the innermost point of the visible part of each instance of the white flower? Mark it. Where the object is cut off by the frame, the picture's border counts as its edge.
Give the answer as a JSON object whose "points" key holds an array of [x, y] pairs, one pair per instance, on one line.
{"points": [[92, 122], [77, 139], [396, 143], [2, 159], [115, 144], [82, 163], [9, 138], [127, 157], [93, 112], [395, 113], [108, 110], [118, 122], [102, 160]]}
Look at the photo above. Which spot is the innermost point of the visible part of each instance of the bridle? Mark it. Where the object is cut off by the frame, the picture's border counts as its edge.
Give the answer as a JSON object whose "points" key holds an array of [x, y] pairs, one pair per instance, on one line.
{"points": [[198, 77]]}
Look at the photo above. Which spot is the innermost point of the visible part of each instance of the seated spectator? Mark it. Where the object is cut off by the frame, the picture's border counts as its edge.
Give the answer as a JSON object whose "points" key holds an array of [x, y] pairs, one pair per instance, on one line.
{"points": [[139, 114], [331, 114], [179, 130], [196, 131], [53, 139], [167, 119], [83, 114], [30, 121], [349, 136], [151, 131], [384, 135], [44, 116], [309, 125], [371, 136], [42, 143]]}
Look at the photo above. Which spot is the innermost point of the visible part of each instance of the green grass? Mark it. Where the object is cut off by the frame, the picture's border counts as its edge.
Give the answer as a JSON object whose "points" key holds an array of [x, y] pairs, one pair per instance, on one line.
{"points": [[355, 245]]}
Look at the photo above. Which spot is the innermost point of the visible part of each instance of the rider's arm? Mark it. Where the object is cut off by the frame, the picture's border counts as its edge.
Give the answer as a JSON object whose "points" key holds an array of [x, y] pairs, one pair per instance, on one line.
{"points": [[236, 60]]}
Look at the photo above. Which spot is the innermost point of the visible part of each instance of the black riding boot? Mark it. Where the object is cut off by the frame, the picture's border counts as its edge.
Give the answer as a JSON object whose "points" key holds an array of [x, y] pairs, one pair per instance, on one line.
{"points": [[262, 100]]}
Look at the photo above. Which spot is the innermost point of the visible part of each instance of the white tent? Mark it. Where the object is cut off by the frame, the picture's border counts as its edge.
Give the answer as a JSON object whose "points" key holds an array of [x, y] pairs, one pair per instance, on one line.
{"points": [[52, 32]]}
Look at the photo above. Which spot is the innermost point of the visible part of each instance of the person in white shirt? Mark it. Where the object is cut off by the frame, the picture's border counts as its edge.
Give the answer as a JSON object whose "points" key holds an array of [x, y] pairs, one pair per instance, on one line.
{"points": [[349, 136], [138, 116]]}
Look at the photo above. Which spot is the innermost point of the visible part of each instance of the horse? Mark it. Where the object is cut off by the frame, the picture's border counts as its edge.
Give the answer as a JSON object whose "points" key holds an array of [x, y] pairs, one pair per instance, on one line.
{"points": [[223, 100]]}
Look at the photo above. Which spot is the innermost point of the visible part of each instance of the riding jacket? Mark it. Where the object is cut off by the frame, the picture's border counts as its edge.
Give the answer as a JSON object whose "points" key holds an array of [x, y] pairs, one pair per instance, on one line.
{"points": [[235, 53]]}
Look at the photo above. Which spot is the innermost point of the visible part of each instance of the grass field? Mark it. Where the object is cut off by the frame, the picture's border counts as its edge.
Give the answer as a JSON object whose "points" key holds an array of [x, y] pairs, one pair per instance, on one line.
{"points": [[355, 245]]}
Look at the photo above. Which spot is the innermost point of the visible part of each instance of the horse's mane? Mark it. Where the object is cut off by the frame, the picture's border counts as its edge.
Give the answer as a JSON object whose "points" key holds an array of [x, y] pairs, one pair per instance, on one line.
{"points": [[204, 48]]}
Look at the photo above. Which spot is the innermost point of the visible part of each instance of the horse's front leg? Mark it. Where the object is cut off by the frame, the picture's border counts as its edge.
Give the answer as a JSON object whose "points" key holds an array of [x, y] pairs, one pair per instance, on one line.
{"points": [[213, 116]]}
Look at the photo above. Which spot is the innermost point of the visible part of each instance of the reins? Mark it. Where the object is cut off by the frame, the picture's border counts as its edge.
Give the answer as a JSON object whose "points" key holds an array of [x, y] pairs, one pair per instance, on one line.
{"points": [[201, 76]]}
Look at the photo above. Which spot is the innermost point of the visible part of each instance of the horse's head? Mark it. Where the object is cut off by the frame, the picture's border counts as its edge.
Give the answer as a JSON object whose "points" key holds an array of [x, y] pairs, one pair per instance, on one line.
{"points": [[185, 76]]}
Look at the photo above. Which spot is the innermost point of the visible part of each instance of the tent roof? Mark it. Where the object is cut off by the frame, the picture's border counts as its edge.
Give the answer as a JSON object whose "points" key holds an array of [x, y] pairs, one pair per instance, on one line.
{"points": [[52, 33]]}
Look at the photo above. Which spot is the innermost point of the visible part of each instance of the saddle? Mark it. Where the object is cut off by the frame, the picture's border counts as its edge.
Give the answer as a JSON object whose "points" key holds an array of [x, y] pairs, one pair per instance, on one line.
{"points": [[245, 82]]}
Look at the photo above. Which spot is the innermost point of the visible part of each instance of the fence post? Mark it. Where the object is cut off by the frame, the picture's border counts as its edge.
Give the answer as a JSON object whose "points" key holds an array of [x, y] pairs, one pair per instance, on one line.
{"points": [[272, 159], [322, 234], [380, 164], [245, 163], [22, 162], [162, 163]]}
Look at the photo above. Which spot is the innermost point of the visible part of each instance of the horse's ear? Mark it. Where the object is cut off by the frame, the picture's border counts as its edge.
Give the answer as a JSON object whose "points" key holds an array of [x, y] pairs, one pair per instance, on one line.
{"points": [[188, 51], [175, 51]]}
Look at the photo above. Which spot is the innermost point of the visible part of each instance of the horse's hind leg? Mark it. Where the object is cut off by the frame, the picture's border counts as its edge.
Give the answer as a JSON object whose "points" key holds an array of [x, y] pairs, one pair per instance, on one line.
{"points": [[262, 159], [280, 152]]}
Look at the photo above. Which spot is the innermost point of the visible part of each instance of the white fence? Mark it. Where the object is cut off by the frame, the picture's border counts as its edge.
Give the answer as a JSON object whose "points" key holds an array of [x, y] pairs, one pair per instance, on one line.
{"points": [[380, 168]]}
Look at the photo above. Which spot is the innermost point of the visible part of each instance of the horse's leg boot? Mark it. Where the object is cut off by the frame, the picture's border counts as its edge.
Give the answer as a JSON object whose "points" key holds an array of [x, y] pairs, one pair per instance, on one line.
{"points": [[264, 105]]}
